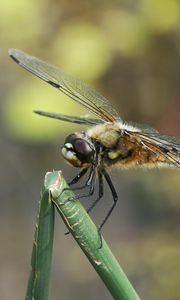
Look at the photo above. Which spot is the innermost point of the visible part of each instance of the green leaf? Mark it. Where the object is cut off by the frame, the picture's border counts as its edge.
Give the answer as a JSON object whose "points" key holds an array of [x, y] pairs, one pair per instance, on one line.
{"points": [[39, 279], [85, 233]]}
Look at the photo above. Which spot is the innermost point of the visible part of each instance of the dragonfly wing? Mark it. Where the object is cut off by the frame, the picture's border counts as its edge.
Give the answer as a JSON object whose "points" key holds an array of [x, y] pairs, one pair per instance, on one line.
{"points": [[74, 88], [168, 146], [72, 119], [144, 127]]}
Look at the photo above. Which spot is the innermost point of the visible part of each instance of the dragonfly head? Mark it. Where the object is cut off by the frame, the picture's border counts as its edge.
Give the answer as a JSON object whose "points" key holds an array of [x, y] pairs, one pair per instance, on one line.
{"points": [[78, 151]]}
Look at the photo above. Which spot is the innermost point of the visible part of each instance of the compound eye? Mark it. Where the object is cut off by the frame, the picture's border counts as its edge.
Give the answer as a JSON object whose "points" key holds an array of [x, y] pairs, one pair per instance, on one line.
{"points": [[70, 139], [77, 150], [82, 146], [83, 150]]}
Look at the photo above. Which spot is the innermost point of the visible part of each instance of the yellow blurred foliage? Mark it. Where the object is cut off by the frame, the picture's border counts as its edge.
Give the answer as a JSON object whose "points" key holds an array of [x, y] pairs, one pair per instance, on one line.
{"points": [[25, 125], [83, 49], [161, 15]]}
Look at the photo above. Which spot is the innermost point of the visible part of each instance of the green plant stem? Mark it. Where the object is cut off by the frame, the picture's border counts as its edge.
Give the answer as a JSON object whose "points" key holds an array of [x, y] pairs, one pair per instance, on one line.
{"points": [[85, 233], [39, 278]]}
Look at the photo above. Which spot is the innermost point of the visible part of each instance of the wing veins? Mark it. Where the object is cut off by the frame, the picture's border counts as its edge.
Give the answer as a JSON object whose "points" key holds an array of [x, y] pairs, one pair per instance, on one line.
{"points": [[76, 89], [164, 147], [73, 119], [83, 101]]}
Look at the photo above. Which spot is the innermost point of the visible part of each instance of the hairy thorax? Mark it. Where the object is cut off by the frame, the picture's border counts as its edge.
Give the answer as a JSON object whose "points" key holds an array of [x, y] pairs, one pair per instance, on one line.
{"points": [[121, 149]]}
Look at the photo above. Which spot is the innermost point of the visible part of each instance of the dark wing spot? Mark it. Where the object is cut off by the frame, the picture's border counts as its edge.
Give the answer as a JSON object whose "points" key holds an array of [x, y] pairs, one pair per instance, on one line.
{"points": [[14, 58], [56, 85]]}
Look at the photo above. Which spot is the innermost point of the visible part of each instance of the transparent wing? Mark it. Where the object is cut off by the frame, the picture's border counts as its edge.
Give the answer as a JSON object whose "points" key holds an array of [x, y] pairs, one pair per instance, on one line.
{"points": [[144, 127], [73, 119], [74, 88], [168, 146]]}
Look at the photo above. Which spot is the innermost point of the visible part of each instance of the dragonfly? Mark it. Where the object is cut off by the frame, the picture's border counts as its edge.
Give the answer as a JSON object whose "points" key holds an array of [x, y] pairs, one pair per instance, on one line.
{"points": [[108, 142]]}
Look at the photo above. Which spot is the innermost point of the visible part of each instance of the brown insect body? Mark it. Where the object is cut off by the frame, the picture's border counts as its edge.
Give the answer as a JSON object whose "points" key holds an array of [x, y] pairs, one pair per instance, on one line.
{"points": [[109, 142], [121, 149]]}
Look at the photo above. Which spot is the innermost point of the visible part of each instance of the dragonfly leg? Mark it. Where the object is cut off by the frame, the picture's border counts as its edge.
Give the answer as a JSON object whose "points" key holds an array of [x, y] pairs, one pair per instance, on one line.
{"points": [[115, 198], [100, 194], [78, 176]]}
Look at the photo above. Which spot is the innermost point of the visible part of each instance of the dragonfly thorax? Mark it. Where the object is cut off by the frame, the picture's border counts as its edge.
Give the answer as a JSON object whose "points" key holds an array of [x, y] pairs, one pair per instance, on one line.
{"points": [[78, 151]]}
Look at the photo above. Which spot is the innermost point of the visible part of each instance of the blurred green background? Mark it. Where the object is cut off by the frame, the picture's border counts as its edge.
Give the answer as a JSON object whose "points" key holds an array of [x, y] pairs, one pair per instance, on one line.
{"points": [[130, 52]]}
